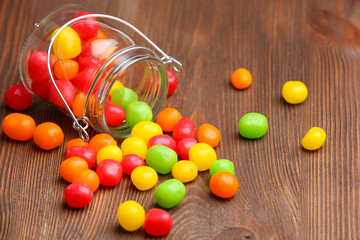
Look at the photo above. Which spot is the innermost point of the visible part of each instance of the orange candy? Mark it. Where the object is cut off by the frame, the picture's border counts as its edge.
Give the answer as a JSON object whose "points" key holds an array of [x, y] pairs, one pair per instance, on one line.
{"points": [[48, 135], [78, 104], [209, 134], [88, 177], [18, 126], [167, 119], [76, 142], [224, 184], [72, 167], [101, 140], [66, 69], [241, 78], [100, 35]]}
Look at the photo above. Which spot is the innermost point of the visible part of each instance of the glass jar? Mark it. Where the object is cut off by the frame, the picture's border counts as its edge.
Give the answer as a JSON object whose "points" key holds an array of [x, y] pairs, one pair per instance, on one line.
{"points": [[75, 60]]}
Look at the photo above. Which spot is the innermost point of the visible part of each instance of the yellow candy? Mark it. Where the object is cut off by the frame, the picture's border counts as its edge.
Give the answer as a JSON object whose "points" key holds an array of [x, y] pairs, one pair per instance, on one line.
{"points": [[117, 84], [203, 155], [67, 43], [185, 171], [144, 178], [294, 92], [134, 145], [131, 215], [314, 138], [146, 130], [109, 152]]}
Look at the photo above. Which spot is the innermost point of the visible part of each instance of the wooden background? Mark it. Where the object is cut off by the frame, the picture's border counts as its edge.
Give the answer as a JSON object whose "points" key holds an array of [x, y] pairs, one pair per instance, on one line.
{"points": [[285, 192]]}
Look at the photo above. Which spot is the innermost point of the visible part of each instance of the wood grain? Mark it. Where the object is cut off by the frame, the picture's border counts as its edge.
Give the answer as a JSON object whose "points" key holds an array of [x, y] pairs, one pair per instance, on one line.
{"points": [[285, 192]]}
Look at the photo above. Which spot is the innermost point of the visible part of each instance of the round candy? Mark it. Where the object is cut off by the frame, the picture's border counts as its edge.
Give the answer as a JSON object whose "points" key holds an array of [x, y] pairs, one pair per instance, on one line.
{"points": [[67, 43], [170, 193], [130, 162], [241, 78], [137, 112], [224, 184], [253, 125], [184, 146], [314, 139], [134, 145], [203, 155], [131, 215], [114, 114], [86, 153], [87, 61], [78, 104], [172, 82], [117, 84], [161, 158], [146, 130], [109, 172], [167, 119], [66, 69], [18, 97], [76, 142], [37, 67], [222, 165], [209, 134], [184, 128], [144, 178], [71, 167], [87, 28], [109, 152], [101, 140], [84, 79], [158, 222], [185, 171], [18, 126], [48, 135], [78, 195], [88, 177], [123, 96], [294, 92], [164, 140], [66, 89]]}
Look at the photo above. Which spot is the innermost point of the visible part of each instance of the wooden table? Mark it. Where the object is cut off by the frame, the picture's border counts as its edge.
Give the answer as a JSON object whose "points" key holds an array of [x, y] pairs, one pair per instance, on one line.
{"points": [[285, 191]]}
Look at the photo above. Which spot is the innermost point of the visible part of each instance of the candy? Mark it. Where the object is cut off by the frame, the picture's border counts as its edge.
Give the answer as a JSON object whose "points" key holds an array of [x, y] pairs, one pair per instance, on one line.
{"points": [[130, 162], [71, 167], [184, 146], [84, 79], [167, 119], [203, 155], [86, 51], [164, 140], [109, 172], [209, 134], [48, 135], [144, 178], [18, 126], [123, 97], [18, 97], [222, 165], [224, 184], [41, 89], [66, 89], [158, 222], [241, 78], [101, 140], [78, 104], [253, 125], [137, 112], [131, 215], [146, 130], [37, 67], [66, 69], [294, 92], [88, 177], [87, 28], [172, 82], [134, 145], [117, 84], [314, 139], [78, 195], [85, 62], [161, 158], [114, 114], [99, 35], [184, 128], [109, 152], [86, 153], [170, 193], [67, 43], [185, 171], [76, 142]]}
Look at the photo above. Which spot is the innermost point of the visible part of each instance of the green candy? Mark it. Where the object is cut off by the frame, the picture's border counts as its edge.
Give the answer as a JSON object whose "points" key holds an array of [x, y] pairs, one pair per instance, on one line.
{"points": [[161, 158], [253, 125], [123, 96], [137, 112], [170, 193], [222, 165]]}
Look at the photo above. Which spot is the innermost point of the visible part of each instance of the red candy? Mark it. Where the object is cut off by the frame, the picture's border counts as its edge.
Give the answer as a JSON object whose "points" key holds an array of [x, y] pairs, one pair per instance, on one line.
{"points": [[172, 82], [18, 97], [163, 139], [67, 90], [85, 62], [184, 146], [41, 89], [83, 79], [78, 195], [130, 162], [87, 27], [114, 114], [110, 172], [184, 128], [86, 153], [158, 222], [37, 67]]}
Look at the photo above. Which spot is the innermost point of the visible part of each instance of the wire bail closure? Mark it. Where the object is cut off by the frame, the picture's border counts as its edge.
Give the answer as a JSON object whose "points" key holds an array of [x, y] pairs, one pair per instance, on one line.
{"points": [[176, 65]]}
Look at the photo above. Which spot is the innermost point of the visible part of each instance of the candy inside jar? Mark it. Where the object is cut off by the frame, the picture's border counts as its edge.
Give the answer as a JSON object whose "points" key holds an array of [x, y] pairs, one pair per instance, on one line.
{"points": [[94, 71]]}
